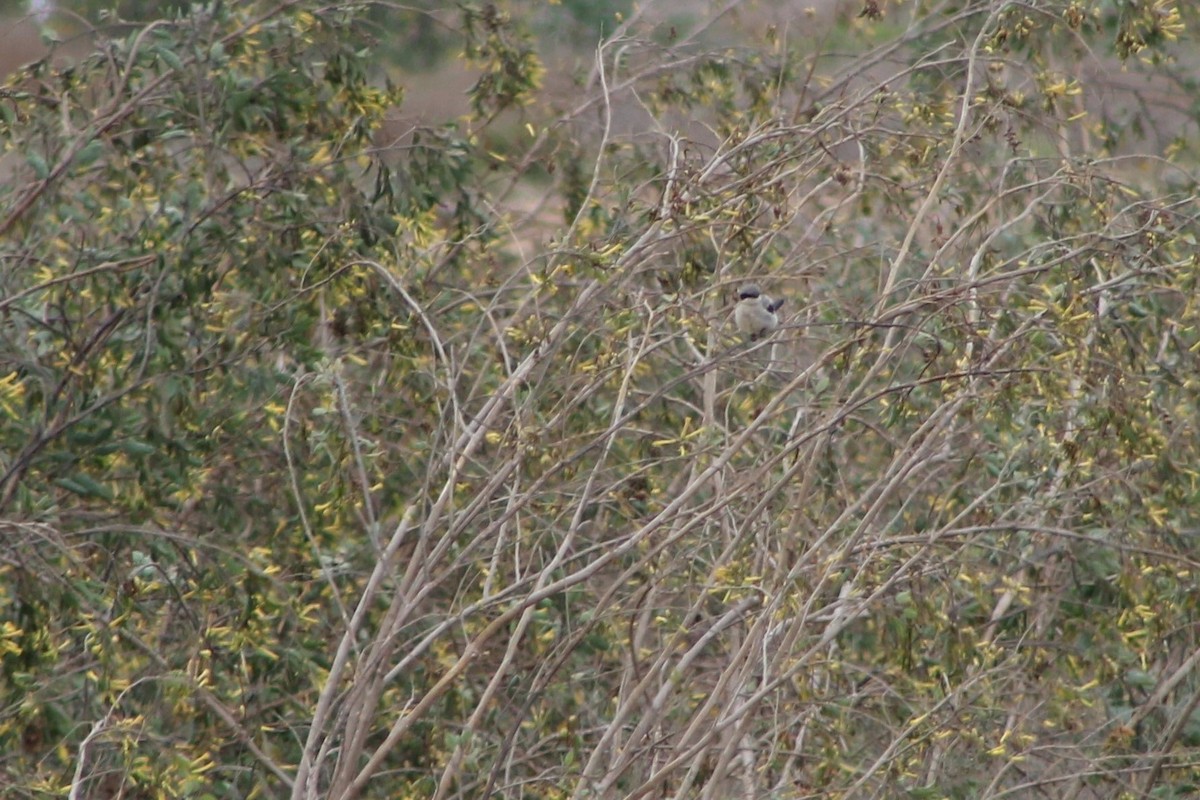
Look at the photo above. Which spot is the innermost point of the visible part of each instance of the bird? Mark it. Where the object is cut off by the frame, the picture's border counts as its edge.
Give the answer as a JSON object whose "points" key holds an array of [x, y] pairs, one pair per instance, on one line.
{"points": [[754, 314]]}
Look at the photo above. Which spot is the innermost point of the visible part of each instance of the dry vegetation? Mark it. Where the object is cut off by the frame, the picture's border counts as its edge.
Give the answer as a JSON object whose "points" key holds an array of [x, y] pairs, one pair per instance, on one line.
{"points": [[351, 451]]}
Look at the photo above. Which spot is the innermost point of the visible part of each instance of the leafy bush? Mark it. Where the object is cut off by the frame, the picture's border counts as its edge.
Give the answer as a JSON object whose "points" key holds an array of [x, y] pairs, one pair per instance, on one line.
{"points": [[339, 462]]}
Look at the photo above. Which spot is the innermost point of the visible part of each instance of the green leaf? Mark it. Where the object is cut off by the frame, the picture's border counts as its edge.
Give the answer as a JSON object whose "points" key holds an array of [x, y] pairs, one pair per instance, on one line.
{"points": [[136, 447], [40, 168], [85, 486], [169, 56], [89, 153]]}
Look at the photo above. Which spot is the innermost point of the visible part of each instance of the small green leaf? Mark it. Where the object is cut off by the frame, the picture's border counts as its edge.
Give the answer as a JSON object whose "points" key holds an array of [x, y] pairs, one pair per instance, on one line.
{"points": [[85, 486], [89, 153], [40, 169], [71, 486], [136, 447], [168, 55]]}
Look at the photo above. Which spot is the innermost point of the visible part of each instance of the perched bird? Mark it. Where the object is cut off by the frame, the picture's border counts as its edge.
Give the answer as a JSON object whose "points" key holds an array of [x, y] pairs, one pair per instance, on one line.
{"points": [[755, 312]]}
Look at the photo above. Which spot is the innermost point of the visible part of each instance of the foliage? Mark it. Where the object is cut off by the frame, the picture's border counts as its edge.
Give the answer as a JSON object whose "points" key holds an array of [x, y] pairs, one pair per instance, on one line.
{"points": [[338, 463]]}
